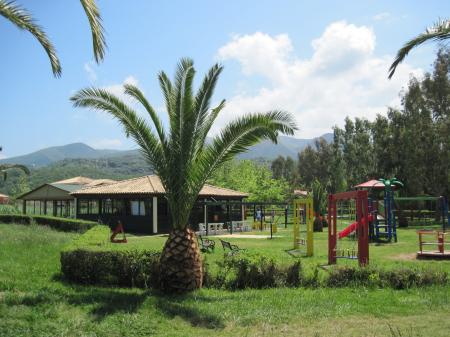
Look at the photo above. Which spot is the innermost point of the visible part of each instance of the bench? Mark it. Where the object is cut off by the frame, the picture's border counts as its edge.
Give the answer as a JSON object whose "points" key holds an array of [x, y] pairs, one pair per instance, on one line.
{"points": [[230, 249], [206, 245]]}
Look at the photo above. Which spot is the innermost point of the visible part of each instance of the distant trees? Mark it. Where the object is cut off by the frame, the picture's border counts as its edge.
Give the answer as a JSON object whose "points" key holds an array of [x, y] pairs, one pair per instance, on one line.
{"points": [[251, 177], [411, 143]]}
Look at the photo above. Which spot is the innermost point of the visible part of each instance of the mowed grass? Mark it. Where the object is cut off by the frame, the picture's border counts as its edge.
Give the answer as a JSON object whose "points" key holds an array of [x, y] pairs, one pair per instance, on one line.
{"points": [[34, 302]]}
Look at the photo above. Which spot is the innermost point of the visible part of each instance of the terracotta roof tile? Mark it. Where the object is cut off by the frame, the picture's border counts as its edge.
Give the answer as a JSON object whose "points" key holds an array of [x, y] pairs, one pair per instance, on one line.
{"points": [[152, 185]]}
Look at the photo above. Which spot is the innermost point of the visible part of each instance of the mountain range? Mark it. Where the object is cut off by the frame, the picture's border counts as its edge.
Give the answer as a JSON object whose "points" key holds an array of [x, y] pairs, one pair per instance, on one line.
{"points": [[266, 150]]}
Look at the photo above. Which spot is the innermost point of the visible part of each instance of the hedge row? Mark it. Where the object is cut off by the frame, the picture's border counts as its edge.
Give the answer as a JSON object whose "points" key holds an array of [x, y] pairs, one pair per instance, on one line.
{"points": [[113, 268], [62, 224], [141, 269]]}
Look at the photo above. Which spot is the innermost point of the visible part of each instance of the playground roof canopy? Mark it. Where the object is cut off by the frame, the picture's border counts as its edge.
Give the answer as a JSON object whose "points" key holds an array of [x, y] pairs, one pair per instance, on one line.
{"points": [[371, 184]]}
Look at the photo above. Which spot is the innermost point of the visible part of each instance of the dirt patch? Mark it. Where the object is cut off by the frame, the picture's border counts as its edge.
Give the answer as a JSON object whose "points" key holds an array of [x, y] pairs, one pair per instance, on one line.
{"points": [[246, 236], [405, 257]]}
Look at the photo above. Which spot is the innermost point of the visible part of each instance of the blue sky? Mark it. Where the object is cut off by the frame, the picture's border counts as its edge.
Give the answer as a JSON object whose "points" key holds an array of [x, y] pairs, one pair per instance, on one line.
{"points": [[320, 60]]}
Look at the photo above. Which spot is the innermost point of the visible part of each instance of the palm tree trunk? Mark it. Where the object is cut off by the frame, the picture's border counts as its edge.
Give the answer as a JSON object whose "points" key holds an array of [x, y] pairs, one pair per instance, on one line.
{"points": [[181, 262]]}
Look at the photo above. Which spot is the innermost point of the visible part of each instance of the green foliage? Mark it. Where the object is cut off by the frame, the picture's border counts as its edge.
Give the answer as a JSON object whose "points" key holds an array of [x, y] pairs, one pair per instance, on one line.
{"points": [[180, 156], [9, 209], [117, 168], [411, 143], [61, 224], [22, 19], [400, 278], [254, 271], [250, 177], [113, 268]]}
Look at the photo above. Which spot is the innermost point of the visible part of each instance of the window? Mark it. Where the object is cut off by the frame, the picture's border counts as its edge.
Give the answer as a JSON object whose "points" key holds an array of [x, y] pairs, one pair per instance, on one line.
{"points": [[137, 207], [49, 207], [83, 206], [93, 207], [107, 206]]}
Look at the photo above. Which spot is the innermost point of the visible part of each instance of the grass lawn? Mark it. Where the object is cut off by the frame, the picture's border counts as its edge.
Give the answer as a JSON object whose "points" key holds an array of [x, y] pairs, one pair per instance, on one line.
{"points": [[34, 302]]}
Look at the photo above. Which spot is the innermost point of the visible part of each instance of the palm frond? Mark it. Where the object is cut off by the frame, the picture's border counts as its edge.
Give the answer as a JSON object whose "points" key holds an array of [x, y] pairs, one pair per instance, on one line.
{"points": [[438, 32], [95, 22], [137, 94], [134, 126], [20, 17], [239, 135]]}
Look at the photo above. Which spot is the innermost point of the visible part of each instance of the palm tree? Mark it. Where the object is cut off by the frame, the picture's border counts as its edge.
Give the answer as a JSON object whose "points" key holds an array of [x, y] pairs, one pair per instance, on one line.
{"points": [[6, 167], [181, 156], [20, 17], [440, 31]]}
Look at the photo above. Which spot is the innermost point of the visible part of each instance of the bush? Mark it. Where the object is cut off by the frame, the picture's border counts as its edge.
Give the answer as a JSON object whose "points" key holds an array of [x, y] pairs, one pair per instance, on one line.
{"points": [[112, 268], [62, 224], [9, 209], [253, 271], [402, 278]]}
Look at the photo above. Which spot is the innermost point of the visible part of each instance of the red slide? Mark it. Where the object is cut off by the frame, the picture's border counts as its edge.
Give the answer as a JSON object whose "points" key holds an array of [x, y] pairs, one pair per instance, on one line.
{"points": [[352, 227], [347, 230]]}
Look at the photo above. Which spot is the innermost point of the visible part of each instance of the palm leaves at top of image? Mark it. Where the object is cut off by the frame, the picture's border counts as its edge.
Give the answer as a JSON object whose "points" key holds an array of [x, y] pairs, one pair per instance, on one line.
{"points": [[20, 17], [180, 155], [5, 167], [440, 31]]}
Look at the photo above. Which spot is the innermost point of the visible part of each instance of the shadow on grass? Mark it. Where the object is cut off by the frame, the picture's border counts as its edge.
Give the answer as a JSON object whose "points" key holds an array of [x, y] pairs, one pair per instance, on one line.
{"points": [[101, 302], [188, 307]]}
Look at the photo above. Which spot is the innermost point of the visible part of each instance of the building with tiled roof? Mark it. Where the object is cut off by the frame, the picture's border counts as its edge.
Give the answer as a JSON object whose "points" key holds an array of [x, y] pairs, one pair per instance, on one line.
{"points": [[140, 204], [55, 199]]}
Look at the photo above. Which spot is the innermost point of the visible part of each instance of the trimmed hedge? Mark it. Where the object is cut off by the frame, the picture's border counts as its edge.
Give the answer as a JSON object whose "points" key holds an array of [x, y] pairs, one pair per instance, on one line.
{"points": [[402, 278], [62, 224], [112, 268]]}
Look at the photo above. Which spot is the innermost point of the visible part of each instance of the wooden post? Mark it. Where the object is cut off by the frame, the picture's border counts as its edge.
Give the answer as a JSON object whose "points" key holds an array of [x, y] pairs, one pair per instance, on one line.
{"points": [[362, 211]]}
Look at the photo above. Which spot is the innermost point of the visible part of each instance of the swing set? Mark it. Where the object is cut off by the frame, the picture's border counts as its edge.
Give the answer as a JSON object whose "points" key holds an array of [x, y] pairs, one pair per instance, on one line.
{"points": [[357, 231]]}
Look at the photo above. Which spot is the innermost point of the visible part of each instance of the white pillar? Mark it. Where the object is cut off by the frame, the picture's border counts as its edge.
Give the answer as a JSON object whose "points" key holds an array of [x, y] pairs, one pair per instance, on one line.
{"points": [[74, 205], [155, 215]]}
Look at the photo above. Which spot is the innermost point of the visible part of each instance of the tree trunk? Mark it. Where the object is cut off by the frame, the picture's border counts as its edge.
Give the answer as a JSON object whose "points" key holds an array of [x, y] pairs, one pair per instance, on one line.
{"points": [[181, 262]]}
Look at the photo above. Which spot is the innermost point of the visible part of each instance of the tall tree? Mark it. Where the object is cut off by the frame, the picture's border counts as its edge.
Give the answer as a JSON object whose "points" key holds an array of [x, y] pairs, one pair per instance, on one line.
{"points": [[21, 18], [440, 31], [181, 156]]}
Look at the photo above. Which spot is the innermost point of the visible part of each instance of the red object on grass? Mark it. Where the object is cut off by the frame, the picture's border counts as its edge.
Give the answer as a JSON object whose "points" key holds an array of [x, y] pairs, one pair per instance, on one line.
{"points": [[117, 230]]}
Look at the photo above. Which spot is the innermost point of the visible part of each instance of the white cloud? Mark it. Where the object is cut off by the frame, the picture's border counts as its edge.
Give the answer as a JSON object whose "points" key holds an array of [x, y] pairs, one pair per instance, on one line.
{"points": [[106, 143], [118, 90], [381, 16], [90, 71], [343, 77]]}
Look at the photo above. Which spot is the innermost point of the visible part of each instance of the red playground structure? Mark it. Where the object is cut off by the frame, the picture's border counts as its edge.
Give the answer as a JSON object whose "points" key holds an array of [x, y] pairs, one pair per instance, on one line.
{"points": [[360, 226]]}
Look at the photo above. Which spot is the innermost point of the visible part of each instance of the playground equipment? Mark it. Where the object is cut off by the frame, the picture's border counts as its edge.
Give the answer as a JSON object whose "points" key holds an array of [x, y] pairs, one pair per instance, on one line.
{"points": [[360, 227], [439, 242], [383, 226], [422, 210], [303, 215]]}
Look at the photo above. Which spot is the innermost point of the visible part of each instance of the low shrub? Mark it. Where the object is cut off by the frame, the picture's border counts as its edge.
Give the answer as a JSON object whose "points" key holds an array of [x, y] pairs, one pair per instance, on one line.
{"points": [[9, 209], [62, 224], [112, 268], [253, 271], [402, 278]]}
